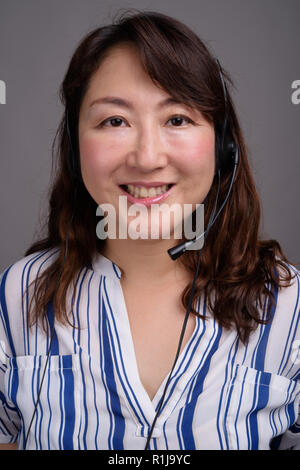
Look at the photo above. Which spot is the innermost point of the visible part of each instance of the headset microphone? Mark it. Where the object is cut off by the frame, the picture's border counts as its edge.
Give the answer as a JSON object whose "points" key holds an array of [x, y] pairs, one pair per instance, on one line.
{"points": [[178, 250]]}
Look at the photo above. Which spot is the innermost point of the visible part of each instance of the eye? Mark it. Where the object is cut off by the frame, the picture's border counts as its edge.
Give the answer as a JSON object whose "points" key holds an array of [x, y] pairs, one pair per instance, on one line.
{"points": [[179, 120], [116, 121], [112, 122]]}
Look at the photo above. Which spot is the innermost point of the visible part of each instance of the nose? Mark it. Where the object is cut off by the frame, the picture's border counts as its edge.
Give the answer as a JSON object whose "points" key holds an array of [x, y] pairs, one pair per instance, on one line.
{"points": [[148, 151]]}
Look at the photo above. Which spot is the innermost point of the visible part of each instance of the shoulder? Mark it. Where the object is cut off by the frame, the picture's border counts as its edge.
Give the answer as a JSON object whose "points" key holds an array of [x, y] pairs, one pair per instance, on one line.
{"points": [[279, 340], [15, 297], [29, 266], [287, 296], [16, 278], [286, 309]]}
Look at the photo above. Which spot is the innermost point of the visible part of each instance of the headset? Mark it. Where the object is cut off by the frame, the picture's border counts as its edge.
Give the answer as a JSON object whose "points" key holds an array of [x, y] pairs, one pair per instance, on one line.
{"points": [[227, 157]]}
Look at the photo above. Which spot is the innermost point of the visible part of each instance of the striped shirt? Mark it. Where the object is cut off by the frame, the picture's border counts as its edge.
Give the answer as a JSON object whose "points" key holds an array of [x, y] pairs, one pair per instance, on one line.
{"points": [[222, 395]]}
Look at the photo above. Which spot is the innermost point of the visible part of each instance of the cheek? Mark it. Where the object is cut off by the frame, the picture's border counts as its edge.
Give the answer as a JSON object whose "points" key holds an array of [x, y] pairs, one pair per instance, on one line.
{"points": [[96, 158], [198, 155], [98, 162]]}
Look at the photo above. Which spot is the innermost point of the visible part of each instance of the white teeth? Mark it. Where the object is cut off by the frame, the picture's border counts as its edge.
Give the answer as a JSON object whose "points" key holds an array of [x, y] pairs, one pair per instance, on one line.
{"points": [[151, 192], [142, 192]]}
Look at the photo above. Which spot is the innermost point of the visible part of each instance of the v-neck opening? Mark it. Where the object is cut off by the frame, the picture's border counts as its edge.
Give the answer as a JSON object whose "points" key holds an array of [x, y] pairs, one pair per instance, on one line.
{"points": [[132, 354], [132, 390]]}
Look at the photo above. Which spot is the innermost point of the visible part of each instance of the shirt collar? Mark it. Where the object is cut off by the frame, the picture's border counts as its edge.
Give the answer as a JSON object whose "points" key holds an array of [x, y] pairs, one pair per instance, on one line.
{"points": [[106, 267]]}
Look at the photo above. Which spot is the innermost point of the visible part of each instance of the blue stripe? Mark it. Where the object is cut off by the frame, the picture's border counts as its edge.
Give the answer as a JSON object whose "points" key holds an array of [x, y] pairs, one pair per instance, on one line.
{"points": [[261, 350], [106, 353], [188, 416], [289, 408], [14, 380], [54, 343], [221, 422], [69, 403], [119, 422], [86, 420], [90, 362], [39, 434], [30, 262], [91, 374], [261, 331], [262, 389], [237, 416], [249, 429], [34, 396], [233, 379], [49, 404], [61, 400], [116, 271]]}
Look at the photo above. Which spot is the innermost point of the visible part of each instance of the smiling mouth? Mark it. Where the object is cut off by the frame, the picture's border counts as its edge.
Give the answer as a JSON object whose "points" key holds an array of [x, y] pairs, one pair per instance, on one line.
{"points": [[141, 192]]}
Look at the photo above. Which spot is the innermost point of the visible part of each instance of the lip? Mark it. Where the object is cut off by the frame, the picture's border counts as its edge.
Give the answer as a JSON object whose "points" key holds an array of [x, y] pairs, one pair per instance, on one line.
{"points": [[148, 201], [146, 184]]}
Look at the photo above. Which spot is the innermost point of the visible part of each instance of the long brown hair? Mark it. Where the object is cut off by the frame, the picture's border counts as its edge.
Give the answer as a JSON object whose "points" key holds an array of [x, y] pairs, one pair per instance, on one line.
{"points": [[238, 271]]}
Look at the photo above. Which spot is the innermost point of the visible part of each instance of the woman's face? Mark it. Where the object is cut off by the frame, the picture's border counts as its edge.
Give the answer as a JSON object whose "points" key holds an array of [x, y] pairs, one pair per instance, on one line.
{"points": [[135, 140]]}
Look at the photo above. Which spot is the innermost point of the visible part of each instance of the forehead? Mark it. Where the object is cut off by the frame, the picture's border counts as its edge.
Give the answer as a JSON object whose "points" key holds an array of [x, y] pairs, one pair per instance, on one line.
{"points": [[121, 70], [121, 76], [118, 54]]}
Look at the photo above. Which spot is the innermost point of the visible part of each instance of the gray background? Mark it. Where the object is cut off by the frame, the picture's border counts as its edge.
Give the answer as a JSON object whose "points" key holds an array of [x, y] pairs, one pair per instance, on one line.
{"points": [[257, 41]]}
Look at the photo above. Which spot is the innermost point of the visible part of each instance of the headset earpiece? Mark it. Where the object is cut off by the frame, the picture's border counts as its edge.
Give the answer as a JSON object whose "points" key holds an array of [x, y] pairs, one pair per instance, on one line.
{"points": [[225, 146], [225, 150]]}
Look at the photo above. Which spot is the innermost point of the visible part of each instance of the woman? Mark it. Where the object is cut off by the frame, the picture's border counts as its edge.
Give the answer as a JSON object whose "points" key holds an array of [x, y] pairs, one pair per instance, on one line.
{"points": [[90, 327]]}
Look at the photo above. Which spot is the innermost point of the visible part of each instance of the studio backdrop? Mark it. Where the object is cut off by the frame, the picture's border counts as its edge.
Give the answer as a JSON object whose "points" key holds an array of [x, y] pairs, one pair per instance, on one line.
{"points": [[256, 41]]}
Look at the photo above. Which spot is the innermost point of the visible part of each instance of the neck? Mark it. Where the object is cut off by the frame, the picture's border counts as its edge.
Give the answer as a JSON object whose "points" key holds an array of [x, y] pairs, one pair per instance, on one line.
{"points": [[145, 262]]}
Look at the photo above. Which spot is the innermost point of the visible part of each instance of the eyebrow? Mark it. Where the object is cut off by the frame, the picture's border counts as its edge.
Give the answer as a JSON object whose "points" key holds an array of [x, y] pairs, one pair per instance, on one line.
{"points": [[128, 104]]}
